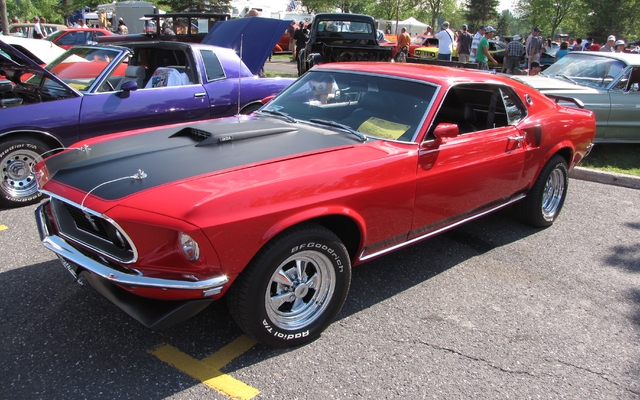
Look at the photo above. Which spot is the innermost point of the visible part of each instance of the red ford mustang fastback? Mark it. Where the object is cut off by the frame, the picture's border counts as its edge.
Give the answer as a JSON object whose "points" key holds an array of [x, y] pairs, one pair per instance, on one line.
{"points": [[352, 161]]}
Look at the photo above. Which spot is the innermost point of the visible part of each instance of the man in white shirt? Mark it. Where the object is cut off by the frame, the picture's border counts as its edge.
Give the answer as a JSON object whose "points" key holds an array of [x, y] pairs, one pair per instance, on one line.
{"points": [[37, 29], [474, 43], [445, 42]]}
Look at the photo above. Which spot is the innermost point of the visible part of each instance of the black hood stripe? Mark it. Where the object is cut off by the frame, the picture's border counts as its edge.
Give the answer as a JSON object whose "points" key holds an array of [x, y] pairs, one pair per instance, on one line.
{"points": [[168, 155]]}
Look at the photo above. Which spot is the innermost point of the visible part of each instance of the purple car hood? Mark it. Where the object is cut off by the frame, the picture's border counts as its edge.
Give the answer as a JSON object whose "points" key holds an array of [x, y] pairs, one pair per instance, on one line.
{"points": [[14, 64], [257, 35]]}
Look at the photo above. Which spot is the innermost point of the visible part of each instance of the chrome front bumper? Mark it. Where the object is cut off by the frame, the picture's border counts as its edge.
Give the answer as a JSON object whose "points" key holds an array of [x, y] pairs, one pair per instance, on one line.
{"points": [[68, 253]]}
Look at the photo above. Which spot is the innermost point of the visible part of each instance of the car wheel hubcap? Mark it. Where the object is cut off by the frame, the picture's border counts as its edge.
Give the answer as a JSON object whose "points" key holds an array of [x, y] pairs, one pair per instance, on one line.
{"points": [[553, 194], [300, 290], [18, 179]]}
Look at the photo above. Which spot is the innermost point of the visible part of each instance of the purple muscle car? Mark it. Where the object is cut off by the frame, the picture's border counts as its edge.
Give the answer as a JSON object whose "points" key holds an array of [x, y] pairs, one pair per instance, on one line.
{"points": [[95, 90]]}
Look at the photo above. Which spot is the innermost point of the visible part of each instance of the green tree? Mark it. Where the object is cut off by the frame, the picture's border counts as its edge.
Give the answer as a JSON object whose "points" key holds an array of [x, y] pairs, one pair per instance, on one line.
{"points": [[547, 14], [505, 22], [609, 17], [4, 20], [481, 12], [216, 6]]}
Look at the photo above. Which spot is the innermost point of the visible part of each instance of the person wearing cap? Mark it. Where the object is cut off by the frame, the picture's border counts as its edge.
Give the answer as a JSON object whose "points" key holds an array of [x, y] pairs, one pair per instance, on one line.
{"points": [[619, 46], [429, 31], [445, 42], [483, 56], [474, 44], [609, 47], [464, 44], [513, 54], [534, 48], [535, 68]]}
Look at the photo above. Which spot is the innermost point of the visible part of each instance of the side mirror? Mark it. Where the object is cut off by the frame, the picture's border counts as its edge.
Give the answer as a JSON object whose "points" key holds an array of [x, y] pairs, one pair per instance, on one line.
{"points": [[442, 131], [129, 86], [446, 130], [126, 89]]}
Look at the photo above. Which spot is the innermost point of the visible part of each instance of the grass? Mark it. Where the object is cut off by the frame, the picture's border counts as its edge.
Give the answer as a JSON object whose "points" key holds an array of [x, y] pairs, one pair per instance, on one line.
{"points": [[620, 158], [281, 57], [271, 74]]}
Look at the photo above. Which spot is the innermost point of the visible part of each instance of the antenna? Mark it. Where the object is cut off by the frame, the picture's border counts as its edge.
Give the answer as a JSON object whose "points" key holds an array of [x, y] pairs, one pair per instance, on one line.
{"points": [[240, 73]]}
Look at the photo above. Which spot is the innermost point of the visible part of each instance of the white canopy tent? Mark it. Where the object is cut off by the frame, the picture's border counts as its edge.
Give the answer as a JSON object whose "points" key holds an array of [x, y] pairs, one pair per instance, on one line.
{"points": [[412, 25]]}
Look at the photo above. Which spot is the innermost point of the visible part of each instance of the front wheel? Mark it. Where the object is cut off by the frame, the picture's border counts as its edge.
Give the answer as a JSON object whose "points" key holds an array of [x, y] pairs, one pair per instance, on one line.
{"points": [[293, 289], [18, 185], [544, 201]]}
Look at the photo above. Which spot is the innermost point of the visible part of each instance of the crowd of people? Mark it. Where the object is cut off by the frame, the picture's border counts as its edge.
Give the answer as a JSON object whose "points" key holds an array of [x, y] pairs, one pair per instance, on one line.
{"points": [[38, 31], [475, 48]]}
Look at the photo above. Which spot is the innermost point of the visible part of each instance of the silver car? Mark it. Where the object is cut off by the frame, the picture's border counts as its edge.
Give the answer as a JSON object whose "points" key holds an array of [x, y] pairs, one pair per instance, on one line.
{"points": [[607, 83]]}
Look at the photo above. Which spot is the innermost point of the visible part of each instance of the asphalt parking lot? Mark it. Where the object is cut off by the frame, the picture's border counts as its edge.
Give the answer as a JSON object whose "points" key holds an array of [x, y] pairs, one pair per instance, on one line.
{"points": [[494, 309]]}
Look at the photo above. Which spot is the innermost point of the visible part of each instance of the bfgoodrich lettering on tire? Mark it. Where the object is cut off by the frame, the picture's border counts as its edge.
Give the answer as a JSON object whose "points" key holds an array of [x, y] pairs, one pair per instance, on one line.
{"points": [[18, 185], [544, 201], [293, 289]]}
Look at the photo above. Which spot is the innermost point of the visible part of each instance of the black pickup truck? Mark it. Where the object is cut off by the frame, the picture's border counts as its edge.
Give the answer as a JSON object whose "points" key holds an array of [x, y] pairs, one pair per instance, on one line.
{"points": [[335, 37]]}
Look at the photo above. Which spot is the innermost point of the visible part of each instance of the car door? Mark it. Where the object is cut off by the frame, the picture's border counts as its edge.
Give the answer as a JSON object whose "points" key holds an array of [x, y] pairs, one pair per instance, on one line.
{"points": [[625, 107], [124, 110], [476, 170]]}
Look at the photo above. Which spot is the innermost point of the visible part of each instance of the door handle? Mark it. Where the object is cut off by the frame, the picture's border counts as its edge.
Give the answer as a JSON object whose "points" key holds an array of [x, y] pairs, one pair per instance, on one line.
{"points": [[199, 95], [517, 139]]}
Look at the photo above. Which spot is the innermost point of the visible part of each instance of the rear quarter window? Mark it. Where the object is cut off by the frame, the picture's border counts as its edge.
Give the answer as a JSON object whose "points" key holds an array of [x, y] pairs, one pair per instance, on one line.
{"points": [[212, 65]]}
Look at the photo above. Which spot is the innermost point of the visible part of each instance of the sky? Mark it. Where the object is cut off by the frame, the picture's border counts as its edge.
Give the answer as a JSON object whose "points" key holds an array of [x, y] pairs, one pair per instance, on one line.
{"points": [[505, 5]]}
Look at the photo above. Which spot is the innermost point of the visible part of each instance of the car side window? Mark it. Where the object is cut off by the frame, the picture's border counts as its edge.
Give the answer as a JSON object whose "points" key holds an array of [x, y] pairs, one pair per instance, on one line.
{"points": [[629, 81], [477, 107], [212, 65], [515, 110]]}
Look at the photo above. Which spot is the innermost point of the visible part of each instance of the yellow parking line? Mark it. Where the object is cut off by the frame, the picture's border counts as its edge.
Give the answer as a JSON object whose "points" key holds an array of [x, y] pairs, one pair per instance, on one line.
{"points": [[207, 370], [3, 227]]}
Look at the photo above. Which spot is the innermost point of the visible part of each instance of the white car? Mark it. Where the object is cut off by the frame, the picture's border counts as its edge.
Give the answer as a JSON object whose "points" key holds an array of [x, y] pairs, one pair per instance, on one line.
{"points": [[41, 51]]}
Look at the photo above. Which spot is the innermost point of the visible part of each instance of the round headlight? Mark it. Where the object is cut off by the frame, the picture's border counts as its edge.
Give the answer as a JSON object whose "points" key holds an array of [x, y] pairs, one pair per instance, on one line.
{"points": [[188, 246]]}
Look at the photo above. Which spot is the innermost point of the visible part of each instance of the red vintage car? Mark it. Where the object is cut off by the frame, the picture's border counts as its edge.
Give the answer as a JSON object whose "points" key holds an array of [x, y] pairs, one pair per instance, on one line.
{"points": [[273, 209], [76, 36]]}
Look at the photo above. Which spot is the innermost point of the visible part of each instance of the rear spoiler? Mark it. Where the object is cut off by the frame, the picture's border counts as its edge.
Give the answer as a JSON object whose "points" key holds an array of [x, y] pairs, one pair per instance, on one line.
{"points": [[573, 100]]}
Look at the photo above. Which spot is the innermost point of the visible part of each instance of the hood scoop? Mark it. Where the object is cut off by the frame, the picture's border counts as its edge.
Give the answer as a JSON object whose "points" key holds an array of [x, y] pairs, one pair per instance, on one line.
{"points": [[205, 138]]}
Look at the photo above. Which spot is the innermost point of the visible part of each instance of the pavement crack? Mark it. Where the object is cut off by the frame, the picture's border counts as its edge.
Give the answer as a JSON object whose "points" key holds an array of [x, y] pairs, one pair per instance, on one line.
{"points": [[478, 359], [600, 374]]}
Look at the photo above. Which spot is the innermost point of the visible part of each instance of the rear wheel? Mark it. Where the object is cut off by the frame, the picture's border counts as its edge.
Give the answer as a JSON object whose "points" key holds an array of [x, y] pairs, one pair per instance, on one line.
{"points": [[544, 201], [250, 108], [293, 289], [18, 185]]}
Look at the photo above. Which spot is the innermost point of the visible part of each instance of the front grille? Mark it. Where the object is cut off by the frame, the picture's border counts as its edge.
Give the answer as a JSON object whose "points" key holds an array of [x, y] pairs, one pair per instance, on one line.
{"points": [[92, 232], [87, 222]]}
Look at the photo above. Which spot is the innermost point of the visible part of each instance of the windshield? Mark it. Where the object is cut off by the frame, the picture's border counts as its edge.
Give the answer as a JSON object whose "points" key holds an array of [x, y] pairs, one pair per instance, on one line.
{"points": [[53, 36], [373, 105], [80, 66], [345, 26], [586, 70]]}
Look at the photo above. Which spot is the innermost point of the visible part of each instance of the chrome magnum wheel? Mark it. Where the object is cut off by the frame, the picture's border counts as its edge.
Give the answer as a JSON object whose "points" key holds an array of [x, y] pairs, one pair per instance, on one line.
{"points": [[300, 290], [544, 201], [17, 181], [293, 289], [553, 194]]}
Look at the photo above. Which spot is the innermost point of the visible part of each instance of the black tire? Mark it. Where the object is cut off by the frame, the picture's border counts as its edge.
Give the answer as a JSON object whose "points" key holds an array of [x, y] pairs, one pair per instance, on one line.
{"points": [[293, 289], [18, 185], [250, 108], [544, 201]]}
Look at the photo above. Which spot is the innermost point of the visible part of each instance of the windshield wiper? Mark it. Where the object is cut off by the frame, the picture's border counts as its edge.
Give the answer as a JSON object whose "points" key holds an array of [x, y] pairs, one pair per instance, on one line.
{"points": [[567, 78], [280, 114], [360, 136]]}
